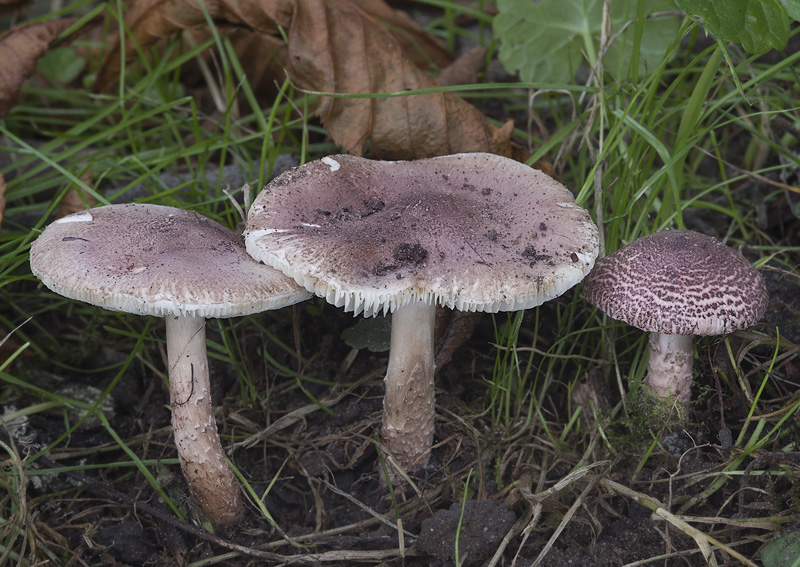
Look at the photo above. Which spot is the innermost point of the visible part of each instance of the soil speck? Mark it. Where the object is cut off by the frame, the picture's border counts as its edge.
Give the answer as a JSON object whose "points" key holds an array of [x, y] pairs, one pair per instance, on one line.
{"points": [[406, 254], [483, 526], [410, 253], [372, 206]]}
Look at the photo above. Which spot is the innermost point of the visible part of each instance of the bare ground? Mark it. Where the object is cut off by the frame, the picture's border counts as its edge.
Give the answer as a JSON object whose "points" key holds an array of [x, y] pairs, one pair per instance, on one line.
{"points": [[510, 496]]}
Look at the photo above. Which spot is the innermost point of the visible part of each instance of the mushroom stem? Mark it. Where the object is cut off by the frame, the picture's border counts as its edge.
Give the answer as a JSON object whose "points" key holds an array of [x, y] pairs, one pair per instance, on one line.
{"points": [[205, 468], [408, 405], [669, 371]]}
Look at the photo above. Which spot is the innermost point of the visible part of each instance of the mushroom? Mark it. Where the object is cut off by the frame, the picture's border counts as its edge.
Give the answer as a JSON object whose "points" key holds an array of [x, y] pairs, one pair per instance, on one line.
{"points": [[474, 232], [176, 264], [676, 284]]}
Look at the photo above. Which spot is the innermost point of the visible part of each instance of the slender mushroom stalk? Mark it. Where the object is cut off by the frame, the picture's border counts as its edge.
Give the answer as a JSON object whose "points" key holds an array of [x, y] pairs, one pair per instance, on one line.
{"points": [[210, 479], [408, 404], [669, 370], [473, 232], [176, 264]]}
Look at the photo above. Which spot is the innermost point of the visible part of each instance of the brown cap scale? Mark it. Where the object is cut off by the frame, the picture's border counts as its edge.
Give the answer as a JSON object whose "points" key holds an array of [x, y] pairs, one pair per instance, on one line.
{"points": [[176, 264], [475, 232], [675, 284]]}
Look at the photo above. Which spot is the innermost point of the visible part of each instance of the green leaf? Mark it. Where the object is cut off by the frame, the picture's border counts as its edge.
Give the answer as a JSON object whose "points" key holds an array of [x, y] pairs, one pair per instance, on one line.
{"points": [[61, 64], [759, 25], [545, 42], [373, 334], [782, 552], [792, 8]]}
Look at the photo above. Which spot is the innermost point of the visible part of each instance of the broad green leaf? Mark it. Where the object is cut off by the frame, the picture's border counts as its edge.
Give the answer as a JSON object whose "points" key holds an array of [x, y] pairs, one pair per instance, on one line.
{"points": [[759, 25], [62, 64], [792, 8], [782, 552], [545, 41], [373, 334]]}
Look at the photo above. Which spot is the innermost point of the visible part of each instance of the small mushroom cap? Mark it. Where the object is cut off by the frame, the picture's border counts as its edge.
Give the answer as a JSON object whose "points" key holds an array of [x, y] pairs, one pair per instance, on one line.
{"points": [[156, 260], [475, 232], [678, 282]]}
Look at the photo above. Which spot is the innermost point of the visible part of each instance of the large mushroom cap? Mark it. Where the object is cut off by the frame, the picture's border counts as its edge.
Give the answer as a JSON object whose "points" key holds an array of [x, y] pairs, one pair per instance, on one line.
{"points": [[678, 282], [476, 232], [156, 260]]}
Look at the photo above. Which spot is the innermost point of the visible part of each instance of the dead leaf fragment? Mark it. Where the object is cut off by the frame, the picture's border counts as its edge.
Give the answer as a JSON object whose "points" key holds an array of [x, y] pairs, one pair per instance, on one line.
{"points": [[453, 329], [150, 21], [464, 70], [334, 47], [342, 47], [20, 50], [76, 199]]}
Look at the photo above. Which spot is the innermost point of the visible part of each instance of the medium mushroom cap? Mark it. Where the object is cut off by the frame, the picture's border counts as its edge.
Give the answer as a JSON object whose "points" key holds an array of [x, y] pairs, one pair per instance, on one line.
{"points": [[156, 260], [678, 282], [476, 232]]}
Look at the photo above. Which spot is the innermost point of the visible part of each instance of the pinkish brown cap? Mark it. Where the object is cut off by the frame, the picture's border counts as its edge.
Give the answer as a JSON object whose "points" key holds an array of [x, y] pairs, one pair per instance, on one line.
{"points": [[678, 282], [156, 260], [474, 232]]}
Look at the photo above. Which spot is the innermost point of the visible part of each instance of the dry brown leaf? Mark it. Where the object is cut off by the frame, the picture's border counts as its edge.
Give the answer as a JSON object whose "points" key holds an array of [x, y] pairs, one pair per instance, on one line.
{"points": [[13, 6], [336, 47], [464, 70], [76, 199], [344, 46], [420, 47], [20, 50], [150, 21], [263, 59], [453, 329]]}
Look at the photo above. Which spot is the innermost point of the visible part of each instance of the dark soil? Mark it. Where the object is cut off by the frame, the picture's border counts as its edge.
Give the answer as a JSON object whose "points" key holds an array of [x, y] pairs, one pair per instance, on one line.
{"points": [[328, 497]]}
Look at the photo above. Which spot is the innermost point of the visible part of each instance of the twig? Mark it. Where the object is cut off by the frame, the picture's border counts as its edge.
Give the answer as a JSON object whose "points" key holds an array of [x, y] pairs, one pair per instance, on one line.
{"points": [[296, 415], [380, 517], [551, 355], [703, 541]]}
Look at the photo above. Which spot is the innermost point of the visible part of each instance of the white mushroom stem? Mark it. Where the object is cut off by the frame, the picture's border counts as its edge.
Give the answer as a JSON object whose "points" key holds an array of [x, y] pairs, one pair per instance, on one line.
{"points": [[408, 405], [669, 371], [205, 468]]}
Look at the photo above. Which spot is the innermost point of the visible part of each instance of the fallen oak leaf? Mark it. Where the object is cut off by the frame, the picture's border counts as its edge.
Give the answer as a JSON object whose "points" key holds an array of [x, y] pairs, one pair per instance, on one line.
{"points": [[20, 50], [262, 57], [150, 21], [334, 47], [423, 49], [343, 47]]}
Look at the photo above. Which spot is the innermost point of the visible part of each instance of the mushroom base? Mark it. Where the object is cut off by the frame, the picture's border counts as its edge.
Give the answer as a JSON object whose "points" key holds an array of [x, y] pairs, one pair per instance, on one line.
{"points": [[205, 468], [408, 404], [669, 371]]}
